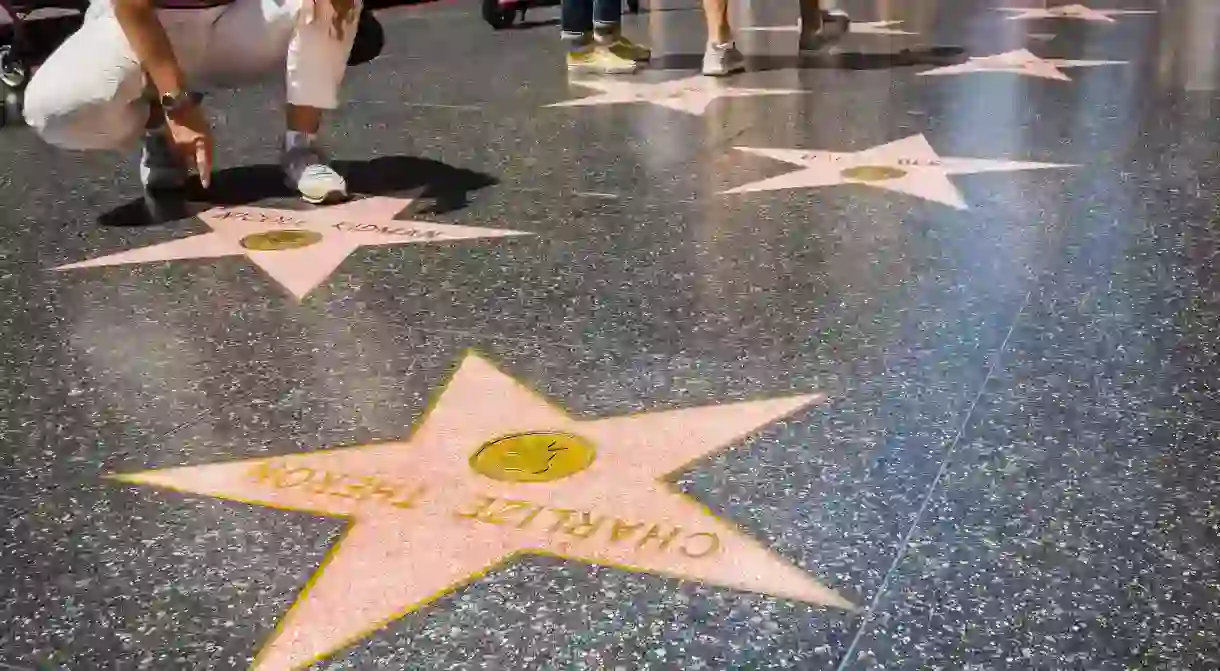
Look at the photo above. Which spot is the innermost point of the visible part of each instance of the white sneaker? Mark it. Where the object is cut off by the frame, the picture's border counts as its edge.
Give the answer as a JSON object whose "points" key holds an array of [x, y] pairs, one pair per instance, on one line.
{"points": [[835, 24], [722, 59], [306, 170], [160, 167]]}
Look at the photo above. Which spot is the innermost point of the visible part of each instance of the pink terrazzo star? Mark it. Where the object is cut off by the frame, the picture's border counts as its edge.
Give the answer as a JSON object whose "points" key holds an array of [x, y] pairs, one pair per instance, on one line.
{"points": [[336, 233], [426, 521], [909, 166]]}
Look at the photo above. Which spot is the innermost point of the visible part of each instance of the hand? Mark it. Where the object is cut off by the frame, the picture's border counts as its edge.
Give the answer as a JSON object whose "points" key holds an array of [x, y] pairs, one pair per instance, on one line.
{"points": [[188, 127]]}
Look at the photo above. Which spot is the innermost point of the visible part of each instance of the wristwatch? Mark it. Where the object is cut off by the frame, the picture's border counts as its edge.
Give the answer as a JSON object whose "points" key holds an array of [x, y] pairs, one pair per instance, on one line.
{"points": [[176, 102]]}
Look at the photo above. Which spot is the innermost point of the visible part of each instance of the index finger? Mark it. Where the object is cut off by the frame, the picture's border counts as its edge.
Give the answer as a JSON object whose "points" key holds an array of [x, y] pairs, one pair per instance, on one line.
{"points": [[203, 163]]}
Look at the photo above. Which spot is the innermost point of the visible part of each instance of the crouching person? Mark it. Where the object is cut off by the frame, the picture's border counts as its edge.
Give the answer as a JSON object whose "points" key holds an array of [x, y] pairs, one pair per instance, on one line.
{"points": [[137, 68]]}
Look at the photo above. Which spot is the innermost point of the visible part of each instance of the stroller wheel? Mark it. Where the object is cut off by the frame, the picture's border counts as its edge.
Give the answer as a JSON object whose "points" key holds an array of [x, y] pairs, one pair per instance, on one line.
{"points": [[10, 105], [12, 82], [12, 70], [498, 15]]}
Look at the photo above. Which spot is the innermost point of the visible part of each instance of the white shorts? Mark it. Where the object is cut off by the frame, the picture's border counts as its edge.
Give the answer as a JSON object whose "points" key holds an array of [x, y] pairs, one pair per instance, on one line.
{"points": [[91, 93]]}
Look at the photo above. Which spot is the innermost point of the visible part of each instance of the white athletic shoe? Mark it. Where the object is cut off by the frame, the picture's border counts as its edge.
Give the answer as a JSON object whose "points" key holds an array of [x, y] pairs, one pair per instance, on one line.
{"points": [[307, 171], [722, 59], [835, 24]]}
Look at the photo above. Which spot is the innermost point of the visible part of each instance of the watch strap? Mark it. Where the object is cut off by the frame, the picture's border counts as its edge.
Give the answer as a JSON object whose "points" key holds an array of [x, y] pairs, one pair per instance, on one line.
{"points": [[173, 102]]}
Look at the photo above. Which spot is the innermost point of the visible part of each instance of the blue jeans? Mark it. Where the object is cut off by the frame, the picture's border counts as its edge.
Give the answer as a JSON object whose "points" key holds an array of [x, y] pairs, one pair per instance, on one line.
{"points": [[577, 17]]}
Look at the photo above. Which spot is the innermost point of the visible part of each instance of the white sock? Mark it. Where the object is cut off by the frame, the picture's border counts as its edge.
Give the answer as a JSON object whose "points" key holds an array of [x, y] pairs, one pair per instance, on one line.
{"points": [[294, 139]]}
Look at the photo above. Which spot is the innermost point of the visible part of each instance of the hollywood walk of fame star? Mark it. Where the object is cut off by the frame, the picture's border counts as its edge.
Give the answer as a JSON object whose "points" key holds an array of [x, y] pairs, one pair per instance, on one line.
{"points": [[1020, 62], [494, 471], [909, 166], [857, 28], [1077, 12], [691, 95], [299, 249]]}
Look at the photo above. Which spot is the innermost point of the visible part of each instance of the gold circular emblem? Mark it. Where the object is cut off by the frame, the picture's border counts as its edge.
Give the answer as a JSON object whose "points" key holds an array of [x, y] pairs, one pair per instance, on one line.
{"points": [[540, 456], [279, 240], [873, 173]]}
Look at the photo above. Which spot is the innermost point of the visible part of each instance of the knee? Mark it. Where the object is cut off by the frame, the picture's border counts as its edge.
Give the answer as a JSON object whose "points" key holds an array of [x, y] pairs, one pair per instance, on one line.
{"points": [[49, 113], [65, 119], [339, 16]]}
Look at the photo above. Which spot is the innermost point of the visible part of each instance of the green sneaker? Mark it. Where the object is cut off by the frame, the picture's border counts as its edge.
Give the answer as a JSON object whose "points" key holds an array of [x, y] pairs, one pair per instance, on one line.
{"points": [[596, 58], [624, 48]]}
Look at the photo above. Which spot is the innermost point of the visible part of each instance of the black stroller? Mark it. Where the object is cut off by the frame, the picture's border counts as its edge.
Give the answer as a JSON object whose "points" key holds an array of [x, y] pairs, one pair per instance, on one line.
{"points": [[24, 46]]}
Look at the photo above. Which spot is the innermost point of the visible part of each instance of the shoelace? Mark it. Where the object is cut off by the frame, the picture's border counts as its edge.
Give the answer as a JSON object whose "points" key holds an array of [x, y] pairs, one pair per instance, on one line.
{"points": [[309, 163], [316, 170]]}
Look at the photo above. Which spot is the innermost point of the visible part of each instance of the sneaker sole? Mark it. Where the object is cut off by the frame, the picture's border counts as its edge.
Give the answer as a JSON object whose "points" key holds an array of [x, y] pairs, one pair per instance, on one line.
{"points": [[822, 39], [820, 48], [332, 198], [329, 198], [726, 72], [637, 59], [624, 70]]}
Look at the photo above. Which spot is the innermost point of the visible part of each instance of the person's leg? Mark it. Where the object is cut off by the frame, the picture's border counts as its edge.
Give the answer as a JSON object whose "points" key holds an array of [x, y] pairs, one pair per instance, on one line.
{"points": [[583, 51], [821, 27], [721, 56], [811, 15], [317, 62], [89, 94], [716, 12], [576, 22], [313, 38], [608, 31], [576, 25]]}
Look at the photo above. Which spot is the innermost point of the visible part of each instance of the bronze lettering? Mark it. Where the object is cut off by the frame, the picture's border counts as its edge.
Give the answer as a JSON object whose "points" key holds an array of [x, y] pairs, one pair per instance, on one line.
{"points": [[325, 482], [265, 472], [621, 531], [562, 516], [485, 503], [530, 517], [713, 545], [382, 490], [292, 477], [495, 517], [337, 484], [385, 230], [585, 527], [259, 217], [411, 499], [654, 533], [359, 489], [510, 507]]}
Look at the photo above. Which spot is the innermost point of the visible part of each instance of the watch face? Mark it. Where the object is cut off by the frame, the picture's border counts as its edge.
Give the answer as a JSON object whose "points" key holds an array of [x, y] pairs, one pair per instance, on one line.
{"points": [[174, 100]]}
